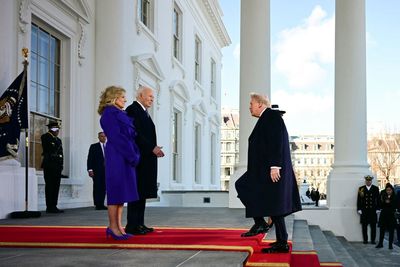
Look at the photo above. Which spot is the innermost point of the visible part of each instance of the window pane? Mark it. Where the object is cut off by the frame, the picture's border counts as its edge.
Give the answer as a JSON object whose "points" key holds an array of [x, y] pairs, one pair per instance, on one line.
{"points": [[32, 97], [33, 67], [43, 72], [34, 39], [53, 49], [44, 42], [52, 99], [43, 99]]}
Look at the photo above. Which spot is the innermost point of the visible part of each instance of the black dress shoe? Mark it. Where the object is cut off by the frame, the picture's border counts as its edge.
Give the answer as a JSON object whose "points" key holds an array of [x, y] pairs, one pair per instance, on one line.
{"points": [[365, 242], [373, 242], [148, 229], [277, 248], [101, 208], [54, 210], [255, 230], [138, 230]]}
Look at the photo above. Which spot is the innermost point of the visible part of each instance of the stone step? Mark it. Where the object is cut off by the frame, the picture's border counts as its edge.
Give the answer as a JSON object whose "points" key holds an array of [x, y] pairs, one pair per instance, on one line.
{"points": [[301, 236], [340, 251], [355, 253], [289, 220], [321, 245]]}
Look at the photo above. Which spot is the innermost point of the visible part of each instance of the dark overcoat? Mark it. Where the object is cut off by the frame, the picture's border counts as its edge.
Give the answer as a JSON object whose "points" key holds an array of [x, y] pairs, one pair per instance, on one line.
{"points": [[96, 163], [268, 147], [121, 156], [95, 160], [388, 207], [146, 140], [367, 202]]}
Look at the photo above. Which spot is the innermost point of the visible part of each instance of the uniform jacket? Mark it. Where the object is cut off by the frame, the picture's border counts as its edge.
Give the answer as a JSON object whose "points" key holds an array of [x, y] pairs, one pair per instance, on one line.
{"points": [[367, 202], [95, 160], [268, 146], [146, 140], [53, 158]]}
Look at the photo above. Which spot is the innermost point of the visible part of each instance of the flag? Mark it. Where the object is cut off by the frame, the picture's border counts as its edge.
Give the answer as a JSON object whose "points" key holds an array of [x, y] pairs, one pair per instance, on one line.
{"points": [[13, 116]]}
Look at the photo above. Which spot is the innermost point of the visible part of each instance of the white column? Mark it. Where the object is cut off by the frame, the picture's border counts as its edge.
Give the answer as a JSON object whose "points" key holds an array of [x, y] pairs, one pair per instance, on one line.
{"points": [[254, 75], [350, 163], [114, 26]]}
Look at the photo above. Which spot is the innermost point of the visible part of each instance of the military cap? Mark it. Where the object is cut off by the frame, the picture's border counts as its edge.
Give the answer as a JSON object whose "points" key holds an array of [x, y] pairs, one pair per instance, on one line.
{"points": [[368, 177], [53, 124]]}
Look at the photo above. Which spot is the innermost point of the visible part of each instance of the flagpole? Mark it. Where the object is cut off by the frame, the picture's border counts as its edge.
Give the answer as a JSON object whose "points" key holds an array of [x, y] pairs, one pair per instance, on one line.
{"points": [[26, 213]]}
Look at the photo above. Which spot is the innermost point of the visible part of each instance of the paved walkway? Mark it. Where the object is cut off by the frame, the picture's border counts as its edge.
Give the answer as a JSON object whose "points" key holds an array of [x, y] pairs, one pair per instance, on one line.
{"points": [[155, 216], [189, 217]]}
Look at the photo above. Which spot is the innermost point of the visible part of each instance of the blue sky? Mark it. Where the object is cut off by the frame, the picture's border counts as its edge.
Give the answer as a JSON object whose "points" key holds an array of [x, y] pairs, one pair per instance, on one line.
{"points": [[302, 37]]}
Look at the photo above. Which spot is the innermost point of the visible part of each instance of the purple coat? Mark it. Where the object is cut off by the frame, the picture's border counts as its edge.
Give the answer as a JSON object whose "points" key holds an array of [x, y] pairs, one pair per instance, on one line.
{"points": [[121, 156]]}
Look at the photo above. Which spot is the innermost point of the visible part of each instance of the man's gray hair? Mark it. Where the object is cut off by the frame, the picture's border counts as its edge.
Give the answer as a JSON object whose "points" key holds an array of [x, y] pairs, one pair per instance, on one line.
{"points": [[141, 89], [260, 99]]}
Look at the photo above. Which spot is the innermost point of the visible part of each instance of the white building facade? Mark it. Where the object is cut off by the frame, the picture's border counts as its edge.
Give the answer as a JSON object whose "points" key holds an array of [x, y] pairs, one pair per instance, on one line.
{"points": [[77, 48], [312, 157], [229, 144]]}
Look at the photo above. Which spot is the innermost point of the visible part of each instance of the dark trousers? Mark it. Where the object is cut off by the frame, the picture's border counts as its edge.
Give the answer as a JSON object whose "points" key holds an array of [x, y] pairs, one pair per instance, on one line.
{"points": [[136, 213], [52, 179], [99, 190], [365, 231], [382, 234], [398, 233], [280, 229]]}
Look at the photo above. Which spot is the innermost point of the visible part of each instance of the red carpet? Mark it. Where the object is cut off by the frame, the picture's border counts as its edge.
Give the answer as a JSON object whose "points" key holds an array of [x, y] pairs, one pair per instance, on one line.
{"points": [[163, 238]]}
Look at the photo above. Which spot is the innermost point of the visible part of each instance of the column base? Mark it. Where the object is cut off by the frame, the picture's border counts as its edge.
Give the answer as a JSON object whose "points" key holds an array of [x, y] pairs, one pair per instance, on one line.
{"points": [[234, 202], [341, 217]]}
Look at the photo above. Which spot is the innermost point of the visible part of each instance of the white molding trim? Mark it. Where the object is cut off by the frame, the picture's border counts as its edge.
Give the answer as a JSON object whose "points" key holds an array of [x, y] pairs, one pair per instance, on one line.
{"points": [[24, 14]]}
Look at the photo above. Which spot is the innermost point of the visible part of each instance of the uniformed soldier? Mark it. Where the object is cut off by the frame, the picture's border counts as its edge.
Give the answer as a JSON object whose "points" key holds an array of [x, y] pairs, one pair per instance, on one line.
{"points": [[52, 165], [367, 207]]}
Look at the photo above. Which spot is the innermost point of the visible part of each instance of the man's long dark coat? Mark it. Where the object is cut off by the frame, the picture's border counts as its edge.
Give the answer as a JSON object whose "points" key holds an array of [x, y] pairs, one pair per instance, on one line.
{"points": [[146, 140], [95, 162], [268, 147]]}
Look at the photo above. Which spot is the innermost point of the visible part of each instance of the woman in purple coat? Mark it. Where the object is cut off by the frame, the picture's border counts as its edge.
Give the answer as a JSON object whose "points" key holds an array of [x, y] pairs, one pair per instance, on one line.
{"points": [[121, 157]]}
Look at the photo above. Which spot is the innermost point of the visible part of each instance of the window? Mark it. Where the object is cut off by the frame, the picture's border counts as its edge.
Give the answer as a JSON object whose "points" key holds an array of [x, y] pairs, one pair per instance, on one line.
{"points": [[176, 157], [228, 146], [213, 79], [177, 33], [197, 57], [145, 14], [197, 155], [227, 171], [228, 159], [44, 96], [212, 158]]}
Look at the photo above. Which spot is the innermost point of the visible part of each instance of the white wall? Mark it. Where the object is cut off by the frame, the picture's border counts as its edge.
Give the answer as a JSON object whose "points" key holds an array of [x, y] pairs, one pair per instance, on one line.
{"points": [[103, 43]]}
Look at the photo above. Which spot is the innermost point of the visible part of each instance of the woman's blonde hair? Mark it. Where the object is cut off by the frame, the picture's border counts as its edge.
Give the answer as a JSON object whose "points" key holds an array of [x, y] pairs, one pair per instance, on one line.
{"points": [[108, 97]]}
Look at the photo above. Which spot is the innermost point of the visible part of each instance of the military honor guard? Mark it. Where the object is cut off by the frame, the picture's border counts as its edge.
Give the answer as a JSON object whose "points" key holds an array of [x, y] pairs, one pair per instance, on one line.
{"points": [[367, 207], [52, 164]]}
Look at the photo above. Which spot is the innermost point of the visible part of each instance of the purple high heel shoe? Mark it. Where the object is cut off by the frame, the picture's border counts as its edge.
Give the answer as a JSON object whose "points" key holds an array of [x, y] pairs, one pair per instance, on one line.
{"points": [[109, 232]]}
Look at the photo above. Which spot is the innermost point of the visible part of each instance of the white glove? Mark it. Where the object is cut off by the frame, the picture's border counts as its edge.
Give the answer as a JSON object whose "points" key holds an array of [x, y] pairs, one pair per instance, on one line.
{"points": [[378, 211], [359, 212]]}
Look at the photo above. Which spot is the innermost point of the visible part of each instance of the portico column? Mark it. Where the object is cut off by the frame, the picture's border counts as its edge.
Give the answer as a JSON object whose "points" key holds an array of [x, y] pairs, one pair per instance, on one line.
{"points": [[350, 164], [254, 75]]}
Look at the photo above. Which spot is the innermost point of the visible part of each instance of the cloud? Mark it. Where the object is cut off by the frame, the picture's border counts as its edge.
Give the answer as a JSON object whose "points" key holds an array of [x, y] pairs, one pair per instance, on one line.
{"points": [[307, 113], [236, 52], [303, 52]]}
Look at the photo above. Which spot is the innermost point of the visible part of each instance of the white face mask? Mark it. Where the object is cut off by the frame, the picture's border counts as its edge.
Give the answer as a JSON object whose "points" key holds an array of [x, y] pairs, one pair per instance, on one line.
{"points": [[55, 129]]}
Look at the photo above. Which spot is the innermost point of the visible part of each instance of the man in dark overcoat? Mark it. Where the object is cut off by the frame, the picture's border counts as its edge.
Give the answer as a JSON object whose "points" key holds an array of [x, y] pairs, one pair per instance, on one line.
{"points": [[268, 187], [96, 170], [52, 164], [146, 171], [367, 207]]}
